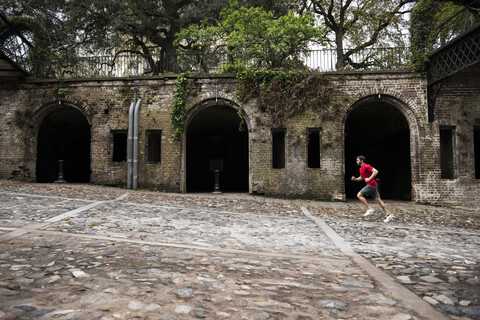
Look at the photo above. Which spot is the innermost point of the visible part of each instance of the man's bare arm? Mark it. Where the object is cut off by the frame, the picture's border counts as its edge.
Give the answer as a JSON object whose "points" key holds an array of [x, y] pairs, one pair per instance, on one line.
{"points": [[374, 174]]}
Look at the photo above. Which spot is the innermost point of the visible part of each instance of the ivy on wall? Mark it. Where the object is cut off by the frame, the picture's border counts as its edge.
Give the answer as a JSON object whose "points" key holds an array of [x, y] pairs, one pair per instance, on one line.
{"points": [[281, 94], [284, 94], [177, 114]]}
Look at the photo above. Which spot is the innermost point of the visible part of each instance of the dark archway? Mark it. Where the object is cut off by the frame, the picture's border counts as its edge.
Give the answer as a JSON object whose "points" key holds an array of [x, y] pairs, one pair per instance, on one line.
{"points": [[380, 132], [64, 135], [213, 134]]}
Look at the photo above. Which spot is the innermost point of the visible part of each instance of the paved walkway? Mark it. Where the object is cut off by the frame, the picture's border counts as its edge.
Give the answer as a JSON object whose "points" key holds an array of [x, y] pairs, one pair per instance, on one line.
{"points": [[93, 252]]}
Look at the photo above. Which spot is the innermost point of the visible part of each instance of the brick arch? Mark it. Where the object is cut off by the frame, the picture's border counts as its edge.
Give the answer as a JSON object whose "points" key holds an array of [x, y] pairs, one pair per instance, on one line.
{"points": [[214, 92], [408, 110], [389, 92], [46, 107], [193, 109], [200, 105], [41, 112]]}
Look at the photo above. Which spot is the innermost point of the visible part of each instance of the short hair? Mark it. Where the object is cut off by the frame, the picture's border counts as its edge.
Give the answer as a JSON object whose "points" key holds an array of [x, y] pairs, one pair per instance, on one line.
{"points": [[362, 158]]}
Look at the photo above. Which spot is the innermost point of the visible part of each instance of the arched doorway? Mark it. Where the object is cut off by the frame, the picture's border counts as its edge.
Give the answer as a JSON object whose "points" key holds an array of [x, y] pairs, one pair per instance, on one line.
{"points": [[64, 134], [214, 139], [378, 130]]}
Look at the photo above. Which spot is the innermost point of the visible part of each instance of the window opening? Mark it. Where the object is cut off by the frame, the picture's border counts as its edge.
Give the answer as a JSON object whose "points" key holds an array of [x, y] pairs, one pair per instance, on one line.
{"points": [[154, 146], [278, 148], [119, 146], [446, 152], [314, 148]]}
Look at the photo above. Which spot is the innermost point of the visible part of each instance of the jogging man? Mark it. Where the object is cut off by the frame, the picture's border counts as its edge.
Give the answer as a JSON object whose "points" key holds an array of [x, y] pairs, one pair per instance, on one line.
{"points": [[368, 174]]}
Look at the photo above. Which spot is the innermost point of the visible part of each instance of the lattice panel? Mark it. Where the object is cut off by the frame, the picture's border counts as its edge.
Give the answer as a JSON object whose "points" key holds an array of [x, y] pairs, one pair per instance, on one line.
{"points": [[454, 58]]}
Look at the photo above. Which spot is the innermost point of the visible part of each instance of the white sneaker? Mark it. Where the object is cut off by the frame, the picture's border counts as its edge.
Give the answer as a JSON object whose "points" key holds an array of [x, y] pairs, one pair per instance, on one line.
{"points": [[388, 218], [369, 212]]}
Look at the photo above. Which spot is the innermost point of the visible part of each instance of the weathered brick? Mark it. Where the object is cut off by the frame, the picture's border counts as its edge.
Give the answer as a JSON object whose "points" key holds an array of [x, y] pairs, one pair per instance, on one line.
{"points": [[105, 104]]}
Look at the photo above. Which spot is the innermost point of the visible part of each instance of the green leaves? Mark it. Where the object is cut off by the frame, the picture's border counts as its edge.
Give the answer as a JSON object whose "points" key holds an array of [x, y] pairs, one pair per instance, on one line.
{"points": [[177, 114], [361, 24], [253, 35], [426, 17], [284, 94]]}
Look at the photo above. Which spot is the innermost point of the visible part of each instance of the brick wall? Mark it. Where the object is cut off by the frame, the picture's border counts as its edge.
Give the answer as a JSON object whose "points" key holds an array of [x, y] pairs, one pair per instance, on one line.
{"points": [[105, 104], [458, 107]]}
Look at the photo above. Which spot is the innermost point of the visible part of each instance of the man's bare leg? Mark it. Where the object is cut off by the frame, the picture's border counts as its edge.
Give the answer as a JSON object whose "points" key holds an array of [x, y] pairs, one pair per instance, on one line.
{"points": [[384, 207], [363, 200]]}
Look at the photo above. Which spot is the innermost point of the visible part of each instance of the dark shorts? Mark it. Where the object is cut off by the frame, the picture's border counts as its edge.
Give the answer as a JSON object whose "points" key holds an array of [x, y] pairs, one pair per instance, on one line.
{"points": [[370, 191]]}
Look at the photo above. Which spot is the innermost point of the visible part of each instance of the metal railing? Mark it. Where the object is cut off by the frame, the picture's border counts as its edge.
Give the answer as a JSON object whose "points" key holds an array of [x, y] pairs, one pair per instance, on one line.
{"points": [[14, 46], [459, 23], [134, 65], [325, 60]]}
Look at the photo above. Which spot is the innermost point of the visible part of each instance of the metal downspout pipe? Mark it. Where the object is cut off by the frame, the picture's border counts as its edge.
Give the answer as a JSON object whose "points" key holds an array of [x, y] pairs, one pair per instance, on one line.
{"points": [[130, 140], [135, 145], [132, 143]]}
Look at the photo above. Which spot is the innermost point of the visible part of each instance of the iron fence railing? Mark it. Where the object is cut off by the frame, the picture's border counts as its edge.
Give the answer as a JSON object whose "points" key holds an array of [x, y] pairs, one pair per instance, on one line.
{"points": [[15, 47], [128, 65], [460, 22], [325, 60]]}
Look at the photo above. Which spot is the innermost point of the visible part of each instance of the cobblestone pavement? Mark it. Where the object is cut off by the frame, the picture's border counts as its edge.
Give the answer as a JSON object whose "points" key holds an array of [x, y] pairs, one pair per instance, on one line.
{"points": [[92, 252]]}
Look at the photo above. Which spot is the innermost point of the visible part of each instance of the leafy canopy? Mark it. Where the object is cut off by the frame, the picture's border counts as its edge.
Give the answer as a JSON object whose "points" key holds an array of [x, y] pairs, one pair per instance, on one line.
{"points": [[254, 35], [431, 25], [108, 27], [360, 24]]}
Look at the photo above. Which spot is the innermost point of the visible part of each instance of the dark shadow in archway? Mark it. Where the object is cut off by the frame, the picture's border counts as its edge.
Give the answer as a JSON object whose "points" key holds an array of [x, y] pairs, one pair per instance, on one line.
{"points": [[380, 132], [64, 135], [214, 134]]}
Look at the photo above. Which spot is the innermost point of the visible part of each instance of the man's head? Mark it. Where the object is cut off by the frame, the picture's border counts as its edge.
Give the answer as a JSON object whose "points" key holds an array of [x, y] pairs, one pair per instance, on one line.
{"points": [[361, 160]]}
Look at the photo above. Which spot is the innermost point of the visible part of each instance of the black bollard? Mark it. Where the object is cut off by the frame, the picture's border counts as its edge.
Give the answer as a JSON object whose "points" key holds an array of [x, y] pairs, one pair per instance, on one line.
{"points": [[217, 182], [60, 172]]}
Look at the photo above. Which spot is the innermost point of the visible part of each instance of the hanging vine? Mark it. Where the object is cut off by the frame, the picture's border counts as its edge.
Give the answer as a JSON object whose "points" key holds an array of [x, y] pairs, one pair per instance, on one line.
{"points": [[284, 94], [242, 120], [177, 114]]}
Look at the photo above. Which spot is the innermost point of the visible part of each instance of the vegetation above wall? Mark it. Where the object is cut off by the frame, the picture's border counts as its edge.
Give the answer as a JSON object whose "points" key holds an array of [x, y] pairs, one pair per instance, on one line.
{"points": [[281, 94], [284, 94], [434, 23], [253, 36], [97, 38]]}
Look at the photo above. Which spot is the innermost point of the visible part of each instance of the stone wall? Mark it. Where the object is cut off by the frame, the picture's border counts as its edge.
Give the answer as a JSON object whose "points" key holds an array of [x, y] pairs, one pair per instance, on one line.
{"points": [[105, 104]]}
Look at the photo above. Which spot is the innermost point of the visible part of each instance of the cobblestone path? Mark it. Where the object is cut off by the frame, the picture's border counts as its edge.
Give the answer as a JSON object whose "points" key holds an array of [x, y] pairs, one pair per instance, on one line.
{"points": [[93, 252]]}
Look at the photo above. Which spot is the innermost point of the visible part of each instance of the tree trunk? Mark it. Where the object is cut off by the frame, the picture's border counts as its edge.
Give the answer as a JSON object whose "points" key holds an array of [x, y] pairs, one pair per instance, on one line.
{"points": [[169, 57], [340, 55]]}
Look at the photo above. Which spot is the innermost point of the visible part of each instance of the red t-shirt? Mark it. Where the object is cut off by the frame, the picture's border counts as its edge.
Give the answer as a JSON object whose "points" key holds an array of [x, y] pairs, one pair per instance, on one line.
{"points": [[365, 172]]}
